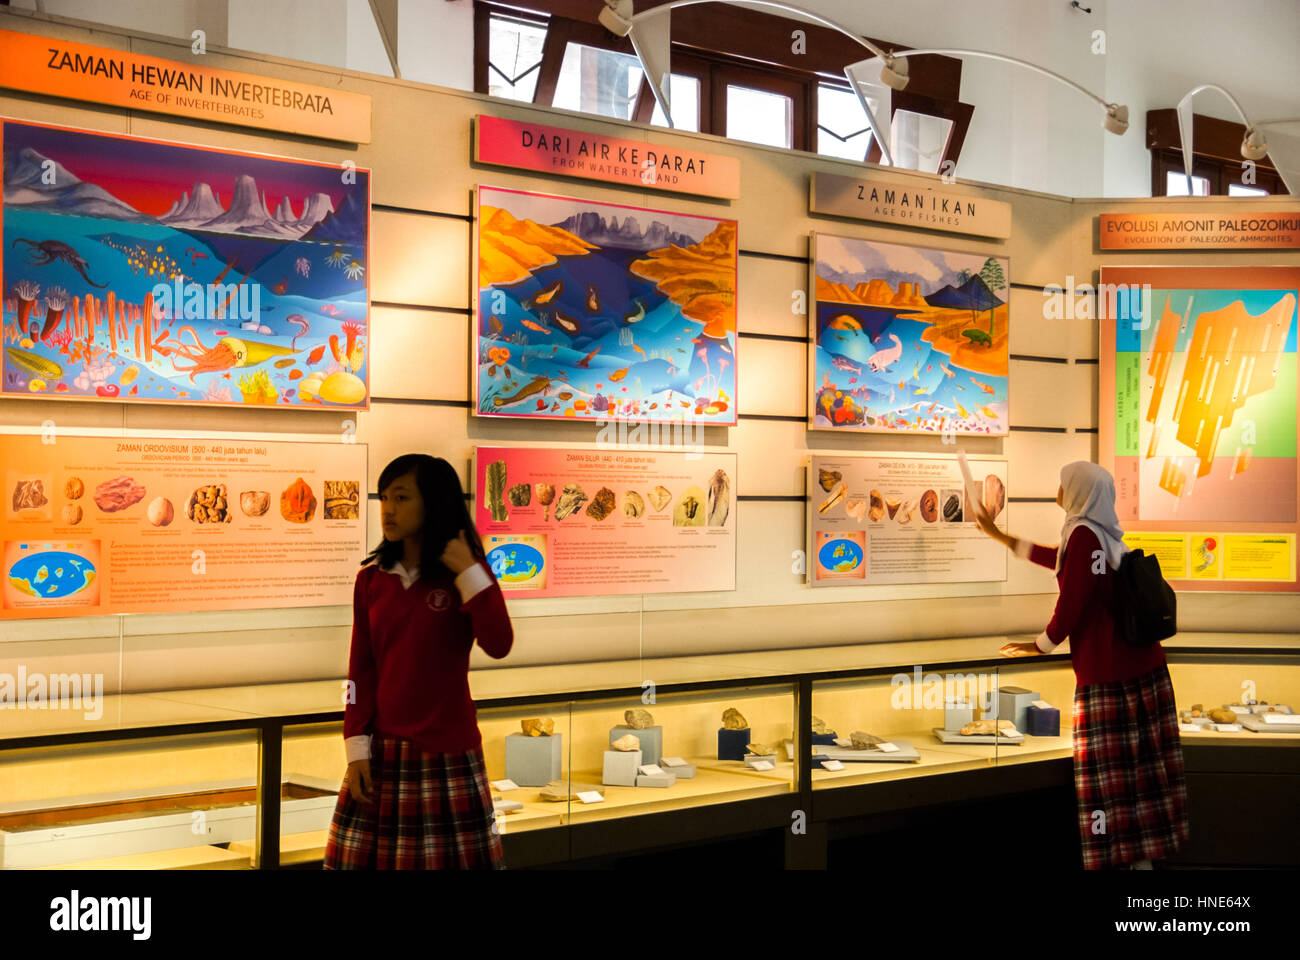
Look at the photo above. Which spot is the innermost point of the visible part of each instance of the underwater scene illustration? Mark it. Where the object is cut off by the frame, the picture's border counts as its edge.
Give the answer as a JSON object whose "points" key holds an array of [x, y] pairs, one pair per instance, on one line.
{"points": [[908, 339], [602, 311], [138, 270]]}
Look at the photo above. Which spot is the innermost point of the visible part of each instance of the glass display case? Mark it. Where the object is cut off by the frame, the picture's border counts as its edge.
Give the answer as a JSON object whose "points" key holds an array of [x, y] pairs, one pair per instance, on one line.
{"points": [[609, 758]]}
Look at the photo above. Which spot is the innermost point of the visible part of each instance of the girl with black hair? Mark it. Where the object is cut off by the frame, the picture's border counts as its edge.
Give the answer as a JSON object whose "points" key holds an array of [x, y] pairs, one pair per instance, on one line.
{"points": [[416, 795]]}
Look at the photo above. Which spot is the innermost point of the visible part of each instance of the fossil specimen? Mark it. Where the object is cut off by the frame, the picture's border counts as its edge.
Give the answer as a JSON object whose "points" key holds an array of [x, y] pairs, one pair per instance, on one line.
{"points": [[995, 496], [638, 719], [877, 511], [863, 741], [496, 489], [659, 497], [538, 726], [733, 719], [633, 504], [987, 726], [602, 505], [571, 499], [627, 743], [520, 495], [828, 479], [719, 504], [929, 506]]}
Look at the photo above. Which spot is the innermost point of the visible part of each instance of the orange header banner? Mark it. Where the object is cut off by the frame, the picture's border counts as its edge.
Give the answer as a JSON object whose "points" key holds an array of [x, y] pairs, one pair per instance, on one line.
{"points": [[593, 156], [78, 71], [1226, 230]]}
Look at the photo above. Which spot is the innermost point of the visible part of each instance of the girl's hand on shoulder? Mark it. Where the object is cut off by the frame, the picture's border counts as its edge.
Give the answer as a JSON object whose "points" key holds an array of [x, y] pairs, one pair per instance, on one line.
{"points": [[457, 556]]}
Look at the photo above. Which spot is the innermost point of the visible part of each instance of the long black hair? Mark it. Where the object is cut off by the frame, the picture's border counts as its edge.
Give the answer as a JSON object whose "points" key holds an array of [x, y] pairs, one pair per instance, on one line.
{"points": [[445, 512]]}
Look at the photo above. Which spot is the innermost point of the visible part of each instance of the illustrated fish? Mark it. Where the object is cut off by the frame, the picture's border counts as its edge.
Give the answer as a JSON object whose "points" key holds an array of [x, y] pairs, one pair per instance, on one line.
{"points": [[593, 299], [586, 360], [638, 349], [916, 370], [637, 314], [566, 395], [543, 297], [983, 386], [920, 390], [928, 366], [962, 410], [853, 379], [567, 324], [536, 326], [946, 371], [900, 384], [618, 375], [988, 413], [279, 288], [555, 350], [494, 324], [537, 385], [843, 363], [315, 355], [960, 387], [724, 348]]}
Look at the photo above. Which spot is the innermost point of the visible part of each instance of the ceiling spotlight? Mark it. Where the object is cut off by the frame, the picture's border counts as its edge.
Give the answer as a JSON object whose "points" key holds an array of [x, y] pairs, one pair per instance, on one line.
{"points": [[616, 17], [894, 72], [1253, 145], [1116, 120]]}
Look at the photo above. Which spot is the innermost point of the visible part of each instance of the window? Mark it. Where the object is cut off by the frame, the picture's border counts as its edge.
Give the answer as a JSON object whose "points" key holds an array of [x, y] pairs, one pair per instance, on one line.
{"points": [[514, 56], [759, 116], [1237, 190], [684, 96], [842, 129], [1218, 169], [598, 81], [1176, 185], [919, 141]]}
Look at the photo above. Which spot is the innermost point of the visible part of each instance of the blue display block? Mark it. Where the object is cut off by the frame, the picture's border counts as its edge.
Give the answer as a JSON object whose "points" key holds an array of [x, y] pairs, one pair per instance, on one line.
{"points": [[824, 739], [1043, 723], [732, 744], [651, 740], [533, 761]]}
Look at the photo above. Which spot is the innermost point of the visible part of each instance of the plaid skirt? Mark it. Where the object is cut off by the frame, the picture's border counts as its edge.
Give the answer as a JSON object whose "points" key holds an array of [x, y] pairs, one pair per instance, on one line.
{"points": [[429, 811], [1128, 771]]}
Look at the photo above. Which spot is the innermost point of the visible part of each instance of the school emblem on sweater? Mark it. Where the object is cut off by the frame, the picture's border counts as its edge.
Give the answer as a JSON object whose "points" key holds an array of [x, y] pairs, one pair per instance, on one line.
{"points": [[438, 599]]}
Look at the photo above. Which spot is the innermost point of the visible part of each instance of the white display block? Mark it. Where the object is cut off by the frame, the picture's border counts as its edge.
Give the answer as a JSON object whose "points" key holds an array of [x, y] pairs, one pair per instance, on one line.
{"points": [[620, 768]]}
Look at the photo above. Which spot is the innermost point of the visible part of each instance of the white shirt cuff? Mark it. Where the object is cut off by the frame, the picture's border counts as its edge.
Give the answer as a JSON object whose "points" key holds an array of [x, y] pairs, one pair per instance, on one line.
{"points": [[1023, 548], [358, 747], [473, 581], [1044, 643]]}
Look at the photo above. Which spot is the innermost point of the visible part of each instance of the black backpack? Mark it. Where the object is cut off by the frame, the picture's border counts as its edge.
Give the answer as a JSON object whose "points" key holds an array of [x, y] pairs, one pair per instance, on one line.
{"points": [[1146, 608]]}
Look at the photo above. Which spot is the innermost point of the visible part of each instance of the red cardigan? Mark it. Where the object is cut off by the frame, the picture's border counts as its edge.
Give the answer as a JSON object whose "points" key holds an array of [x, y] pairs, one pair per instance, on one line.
{"points": [[1083, 614], [410, 657]]}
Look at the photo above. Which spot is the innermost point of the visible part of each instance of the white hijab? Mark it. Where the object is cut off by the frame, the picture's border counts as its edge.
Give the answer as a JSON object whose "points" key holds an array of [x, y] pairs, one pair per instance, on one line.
{"points": [[1089, 501]]}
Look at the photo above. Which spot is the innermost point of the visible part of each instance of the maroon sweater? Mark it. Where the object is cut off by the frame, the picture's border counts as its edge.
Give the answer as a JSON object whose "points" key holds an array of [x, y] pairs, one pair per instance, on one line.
{"points": [[1083, 614], [410, 657]]}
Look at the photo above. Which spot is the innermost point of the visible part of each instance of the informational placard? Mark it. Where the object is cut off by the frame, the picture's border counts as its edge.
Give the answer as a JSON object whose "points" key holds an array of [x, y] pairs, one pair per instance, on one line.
{"points": [[96, 525], [1229, 229], [593, 156], [909, 203], [889, 519], [140, 271], [135, 81], [583, 522], [1199, 420]]}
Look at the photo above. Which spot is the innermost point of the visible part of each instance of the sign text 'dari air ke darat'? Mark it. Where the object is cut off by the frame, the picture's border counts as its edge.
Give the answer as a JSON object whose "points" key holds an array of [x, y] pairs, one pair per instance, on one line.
{"points": [[120, 78], [592, 156], [1229, 230]]}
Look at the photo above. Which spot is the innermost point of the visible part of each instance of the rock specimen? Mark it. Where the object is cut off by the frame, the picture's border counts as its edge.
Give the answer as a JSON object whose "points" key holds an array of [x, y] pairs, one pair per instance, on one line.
{"points": [[116, 494], [836, 496], [856, 508], [733, 719], [496, 489], [538, 727], [1198, 710], [863, 741], [602, 505], [571, 499], [297, 502], [1222, 715], [557, 791], [638, 719], [995, 496], [877, 511], [907, 511], [819, 725], [521, 494], [29, 494], [160, 512], [74, 488], [342, 499], [208, 504], [627, 743], [719, 505], [952, 508], [987, 726], [633, 504], [828, 479], [545, 496], [689, 511], [72, 514], [892, 504], [659, 497], [760, 749], [929, 506], [254, 503]]}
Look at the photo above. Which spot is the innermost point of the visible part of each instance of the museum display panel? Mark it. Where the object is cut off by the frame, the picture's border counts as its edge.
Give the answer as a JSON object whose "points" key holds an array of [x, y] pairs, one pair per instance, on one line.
{"points": [[568, 339]]}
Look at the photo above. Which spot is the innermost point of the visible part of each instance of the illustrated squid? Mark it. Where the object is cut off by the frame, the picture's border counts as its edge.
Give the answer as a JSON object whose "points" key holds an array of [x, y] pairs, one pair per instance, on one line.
{"points": [[229, 352]]}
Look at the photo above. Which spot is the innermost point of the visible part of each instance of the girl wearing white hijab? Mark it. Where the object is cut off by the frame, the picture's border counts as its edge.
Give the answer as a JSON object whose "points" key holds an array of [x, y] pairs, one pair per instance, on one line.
{"points": [[1128, 760]]}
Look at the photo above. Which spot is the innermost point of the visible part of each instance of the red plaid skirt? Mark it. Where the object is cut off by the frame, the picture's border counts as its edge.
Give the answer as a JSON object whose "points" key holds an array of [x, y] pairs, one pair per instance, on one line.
{"points": [[430, 811], [1128, 771]]}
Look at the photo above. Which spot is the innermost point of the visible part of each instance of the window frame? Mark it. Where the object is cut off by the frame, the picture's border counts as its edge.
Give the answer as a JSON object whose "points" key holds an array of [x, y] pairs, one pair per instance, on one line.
{"points": [[1216, 155]]}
